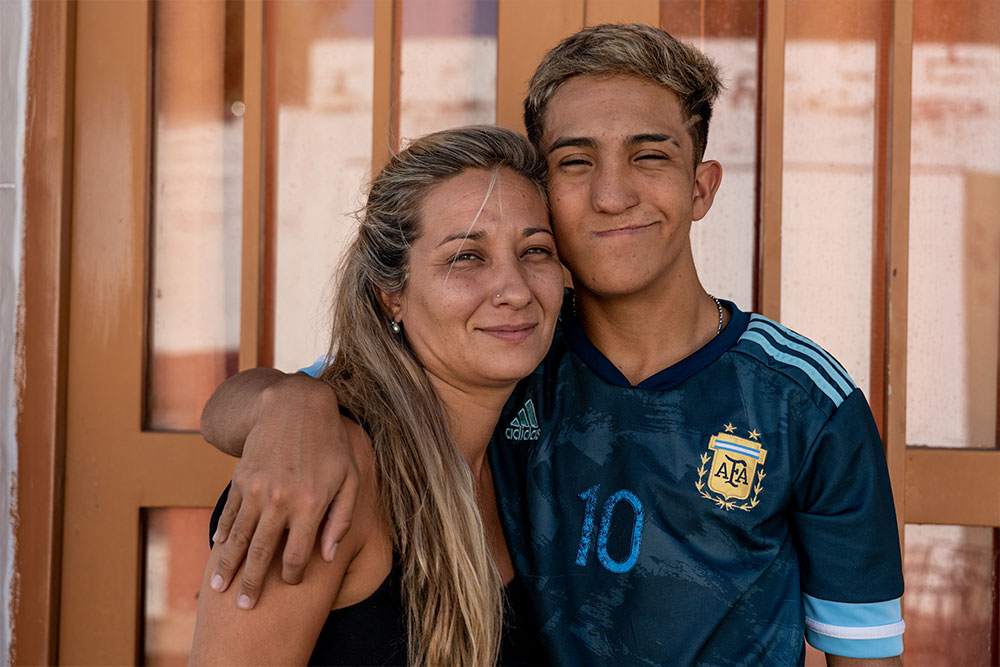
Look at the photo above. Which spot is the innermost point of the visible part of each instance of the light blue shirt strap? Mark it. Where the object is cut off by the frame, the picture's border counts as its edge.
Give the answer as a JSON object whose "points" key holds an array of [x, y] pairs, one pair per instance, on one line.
{"points": [[865, 630], [316, 368]]}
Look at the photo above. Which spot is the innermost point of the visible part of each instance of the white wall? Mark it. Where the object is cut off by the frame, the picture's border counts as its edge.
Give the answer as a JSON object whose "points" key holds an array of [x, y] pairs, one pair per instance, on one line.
{"points": [[14, 19]]}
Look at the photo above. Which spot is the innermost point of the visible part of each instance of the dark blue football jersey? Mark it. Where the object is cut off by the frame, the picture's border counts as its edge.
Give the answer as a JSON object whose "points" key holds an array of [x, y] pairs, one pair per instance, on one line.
{"points": [[717, 513]]}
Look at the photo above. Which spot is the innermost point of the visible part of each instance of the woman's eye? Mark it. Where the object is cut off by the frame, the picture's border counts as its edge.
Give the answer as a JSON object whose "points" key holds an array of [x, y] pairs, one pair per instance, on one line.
{"points": [[539, 251], [465, 257]]}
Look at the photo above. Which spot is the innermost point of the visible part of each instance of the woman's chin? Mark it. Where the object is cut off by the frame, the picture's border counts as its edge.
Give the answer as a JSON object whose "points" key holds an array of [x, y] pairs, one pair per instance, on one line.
{"points": [[510, 372]]}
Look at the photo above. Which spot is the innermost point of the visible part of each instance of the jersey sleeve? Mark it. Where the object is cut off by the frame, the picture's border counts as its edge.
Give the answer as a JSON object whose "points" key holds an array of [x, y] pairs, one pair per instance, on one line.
{"points": [[315, 369], [844, 525]]}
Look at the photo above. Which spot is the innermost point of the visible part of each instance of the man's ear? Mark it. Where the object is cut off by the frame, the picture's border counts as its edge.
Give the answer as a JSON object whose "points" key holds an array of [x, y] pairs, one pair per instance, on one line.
{"points": [[707, 178], [392, 304]]}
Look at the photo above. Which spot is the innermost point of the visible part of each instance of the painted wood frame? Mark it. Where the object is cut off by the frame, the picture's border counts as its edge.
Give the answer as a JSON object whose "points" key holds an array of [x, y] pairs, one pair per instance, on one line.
{"points": [[85, 291], [42, 337], [114, 469]]}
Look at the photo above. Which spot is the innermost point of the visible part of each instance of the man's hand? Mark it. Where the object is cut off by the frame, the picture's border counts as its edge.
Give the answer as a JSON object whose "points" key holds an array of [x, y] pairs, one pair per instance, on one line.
{"points": [[297, 468]]}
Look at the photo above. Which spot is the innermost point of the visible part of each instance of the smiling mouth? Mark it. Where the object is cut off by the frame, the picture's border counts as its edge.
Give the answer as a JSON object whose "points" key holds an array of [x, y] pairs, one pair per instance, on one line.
{"points": [[624, 230], [514, 333]]}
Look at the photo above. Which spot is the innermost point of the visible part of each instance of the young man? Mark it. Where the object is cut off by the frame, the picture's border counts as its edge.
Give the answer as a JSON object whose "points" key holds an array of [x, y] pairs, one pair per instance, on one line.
{"points": [[681, 482]]}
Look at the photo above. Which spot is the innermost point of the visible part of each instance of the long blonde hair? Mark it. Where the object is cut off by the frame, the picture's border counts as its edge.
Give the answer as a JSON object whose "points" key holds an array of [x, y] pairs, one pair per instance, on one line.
{"points": [[451, 587]]}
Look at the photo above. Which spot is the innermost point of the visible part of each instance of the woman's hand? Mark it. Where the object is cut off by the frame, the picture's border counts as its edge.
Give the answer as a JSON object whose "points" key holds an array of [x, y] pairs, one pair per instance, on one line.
{"points": [[298, 468]]}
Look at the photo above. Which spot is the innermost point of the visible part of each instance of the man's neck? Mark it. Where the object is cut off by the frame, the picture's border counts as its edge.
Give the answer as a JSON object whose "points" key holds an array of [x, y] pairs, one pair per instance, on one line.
{"points": [[646, 333]]}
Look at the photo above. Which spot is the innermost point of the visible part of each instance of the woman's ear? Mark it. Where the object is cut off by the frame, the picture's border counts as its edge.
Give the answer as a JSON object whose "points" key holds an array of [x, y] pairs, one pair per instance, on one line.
{"points": [[392, 304]]}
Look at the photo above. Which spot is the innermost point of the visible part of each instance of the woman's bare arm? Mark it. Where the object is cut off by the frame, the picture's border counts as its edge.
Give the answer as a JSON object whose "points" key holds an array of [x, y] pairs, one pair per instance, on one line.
{"points": [[297, 469], [282, 630], [284, 627]]}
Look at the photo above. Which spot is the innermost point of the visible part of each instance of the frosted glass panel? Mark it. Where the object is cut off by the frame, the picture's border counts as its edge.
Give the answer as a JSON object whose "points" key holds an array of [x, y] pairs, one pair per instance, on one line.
{"points": [[175, 552], [321, 138], [196, 199], [724, 241], [954, 286], [449, 65], [950, 601], [828, 178]]}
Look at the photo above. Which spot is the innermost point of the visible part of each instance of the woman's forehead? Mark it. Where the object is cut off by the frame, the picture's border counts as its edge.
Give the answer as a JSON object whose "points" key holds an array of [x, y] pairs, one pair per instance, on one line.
{"points": [[480, 196]]}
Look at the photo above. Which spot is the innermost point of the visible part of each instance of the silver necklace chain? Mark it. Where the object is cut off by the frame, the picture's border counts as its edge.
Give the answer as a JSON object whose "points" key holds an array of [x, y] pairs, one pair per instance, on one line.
{"points": [[718, 304]]}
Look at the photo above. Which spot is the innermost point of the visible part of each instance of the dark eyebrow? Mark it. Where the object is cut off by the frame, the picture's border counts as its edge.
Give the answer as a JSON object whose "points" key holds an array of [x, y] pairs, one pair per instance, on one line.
{"points": [[582, 142], [531, 231], [635, 139], [478, 235], [652, 139]]}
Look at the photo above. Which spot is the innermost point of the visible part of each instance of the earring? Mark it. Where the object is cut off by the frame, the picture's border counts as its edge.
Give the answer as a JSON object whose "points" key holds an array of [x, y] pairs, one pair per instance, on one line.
{"points": [[394, 325]]}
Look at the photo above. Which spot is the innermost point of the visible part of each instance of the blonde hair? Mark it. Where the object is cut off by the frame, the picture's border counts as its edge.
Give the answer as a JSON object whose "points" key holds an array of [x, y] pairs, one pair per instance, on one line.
{"points": [[451, 587], [635, 50]]}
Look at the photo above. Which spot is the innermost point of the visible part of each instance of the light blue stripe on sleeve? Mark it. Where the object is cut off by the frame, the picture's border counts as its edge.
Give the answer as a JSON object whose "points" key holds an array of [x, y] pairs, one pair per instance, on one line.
{"points": [[807, 349], [854, 630], [316, 368], [792, 360], [833, 363]]}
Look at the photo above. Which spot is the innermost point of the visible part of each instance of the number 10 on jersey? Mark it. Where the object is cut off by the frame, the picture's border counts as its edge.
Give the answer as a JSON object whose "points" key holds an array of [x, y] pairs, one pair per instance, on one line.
{"points": [[587, 533]]}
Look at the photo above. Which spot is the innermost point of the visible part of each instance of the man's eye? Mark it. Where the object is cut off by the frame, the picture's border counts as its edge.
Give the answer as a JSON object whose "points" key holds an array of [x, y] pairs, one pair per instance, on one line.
{"points": [[574, 162], [652, 157]]}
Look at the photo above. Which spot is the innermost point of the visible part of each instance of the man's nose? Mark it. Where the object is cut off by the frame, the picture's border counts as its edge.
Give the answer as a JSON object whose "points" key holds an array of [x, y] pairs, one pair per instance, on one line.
{"points": [[612, 190]]}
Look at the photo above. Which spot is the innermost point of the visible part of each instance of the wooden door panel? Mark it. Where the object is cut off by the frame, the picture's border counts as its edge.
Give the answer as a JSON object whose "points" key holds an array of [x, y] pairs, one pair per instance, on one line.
{"points": [[524, 35], [99, 577], [112, 467], [615, 11], [953, 486]]}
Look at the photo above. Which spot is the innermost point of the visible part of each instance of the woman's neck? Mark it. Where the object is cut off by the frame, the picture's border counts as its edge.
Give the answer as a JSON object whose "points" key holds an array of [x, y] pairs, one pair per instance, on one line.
{"points": [[472, 415]]}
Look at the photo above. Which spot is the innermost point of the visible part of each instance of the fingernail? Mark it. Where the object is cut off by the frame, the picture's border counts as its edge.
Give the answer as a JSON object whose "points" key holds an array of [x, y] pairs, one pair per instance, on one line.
{"points": [[244, 602], [218, 537], [217, 583], [328, 556]]}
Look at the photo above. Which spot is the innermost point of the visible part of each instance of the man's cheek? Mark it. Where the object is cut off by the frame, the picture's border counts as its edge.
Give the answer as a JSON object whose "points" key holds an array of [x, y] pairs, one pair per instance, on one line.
{"points": [[562, 215]]}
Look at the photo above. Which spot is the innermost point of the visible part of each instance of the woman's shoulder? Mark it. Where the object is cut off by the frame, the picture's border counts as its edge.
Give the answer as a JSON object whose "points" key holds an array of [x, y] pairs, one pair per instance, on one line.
{"points": [[368, 543]]}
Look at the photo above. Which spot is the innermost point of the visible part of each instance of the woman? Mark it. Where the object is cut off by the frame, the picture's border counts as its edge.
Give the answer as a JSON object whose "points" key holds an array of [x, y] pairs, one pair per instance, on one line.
{"points": [[447, 297]]}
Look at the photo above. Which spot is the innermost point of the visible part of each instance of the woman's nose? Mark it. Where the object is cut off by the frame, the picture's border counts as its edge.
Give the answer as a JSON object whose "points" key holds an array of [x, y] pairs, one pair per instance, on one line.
{"points": [[512, 287]]}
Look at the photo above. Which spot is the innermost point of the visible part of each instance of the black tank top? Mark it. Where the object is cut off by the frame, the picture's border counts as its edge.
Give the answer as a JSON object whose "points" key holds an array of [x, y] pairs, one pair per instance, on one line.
{"points": [[373, 631]]}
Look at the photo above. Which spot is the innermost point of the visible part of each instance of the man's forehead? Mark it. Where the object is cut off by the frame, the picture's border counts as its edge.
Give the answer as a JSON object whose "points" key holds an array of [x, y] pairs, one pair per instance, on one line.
{"points": [[624, 108]]}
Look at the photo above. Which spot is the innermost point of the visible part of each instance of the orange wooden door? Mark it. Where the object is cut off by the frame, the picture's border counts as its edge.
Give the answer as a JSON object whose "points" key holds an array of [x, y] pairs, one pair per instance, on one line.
{"points": [[133, 389], [123, 457]]}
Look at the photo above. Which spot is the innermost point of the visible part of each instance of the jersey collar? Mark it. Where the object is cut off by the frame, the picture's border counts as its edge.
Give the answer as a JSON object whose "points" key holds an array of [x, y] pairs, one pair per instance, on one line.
{"points": [[668, 377]]}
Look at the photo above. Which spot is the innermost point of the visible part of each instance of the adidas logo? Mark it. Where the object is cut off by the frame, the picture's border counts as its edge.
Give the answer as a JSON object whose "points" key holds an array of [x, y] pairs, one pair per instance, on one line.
{"points": [[525, 425]]}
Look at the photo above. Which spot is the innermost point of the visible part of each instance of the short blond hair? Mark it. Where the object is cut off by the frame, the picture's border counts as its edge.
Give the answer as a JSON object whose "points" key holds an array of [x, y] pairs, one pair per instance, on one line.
{"points": [[636, 50]]}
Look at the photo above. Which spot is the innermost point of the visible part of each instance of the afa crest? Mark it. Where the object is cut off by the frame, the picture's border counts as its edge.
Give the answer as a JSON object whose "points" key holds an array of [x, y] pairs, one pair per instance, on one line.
{"points": [[735, 472]]}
